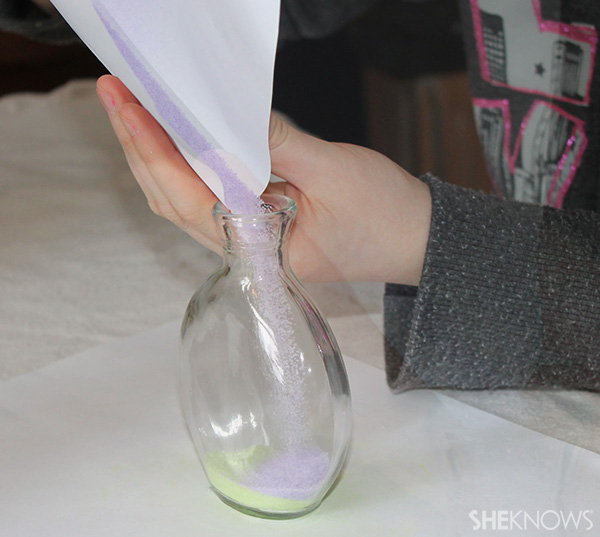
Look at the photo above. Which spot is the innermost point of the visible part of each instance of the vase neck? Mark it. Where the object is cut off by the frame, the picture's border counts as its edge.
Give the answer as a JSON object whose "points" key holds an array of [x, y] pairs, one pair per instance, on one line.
{"points": [[259, 236]]}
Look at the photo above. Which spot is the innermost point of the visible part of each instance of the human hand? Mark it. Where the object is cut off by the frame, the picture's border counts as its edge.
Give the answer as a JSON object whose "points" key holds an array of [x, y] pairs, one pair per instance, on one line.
{"points": [[360, 216]]}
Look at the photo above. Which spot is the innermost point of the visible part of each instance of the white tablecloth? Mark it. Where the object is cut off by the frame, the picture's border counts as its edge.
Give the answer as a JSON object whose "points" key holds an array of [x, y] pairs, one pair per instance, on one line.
{"points": [[83, 260], [95, 445]]}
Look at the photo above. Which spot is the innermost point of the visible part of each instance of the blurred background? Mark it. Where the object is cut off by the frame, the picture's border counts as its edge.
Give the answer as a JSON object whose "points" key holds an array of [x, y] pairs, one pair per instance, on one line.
{"points": [[394, 80]]}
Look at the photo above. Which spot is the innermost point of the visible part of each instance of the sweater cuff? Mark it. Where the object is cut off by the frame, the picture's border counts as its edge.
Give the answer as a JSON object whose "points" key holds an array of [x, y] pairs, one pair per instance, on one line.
{"points": [[476, 322]]}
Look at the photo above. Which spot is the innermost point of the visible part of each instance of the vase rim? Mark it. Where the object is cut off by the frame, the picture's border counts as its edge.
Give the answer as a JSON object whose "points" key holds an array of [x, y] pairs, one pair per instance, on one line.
{"points": [[277, 203]]}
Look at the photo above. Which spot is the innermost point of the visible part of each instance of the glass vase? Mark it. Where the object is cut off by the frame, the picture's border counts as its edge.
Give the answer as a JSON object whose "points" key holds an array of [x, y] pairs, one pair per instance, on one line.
{"points": [[262, 382]]}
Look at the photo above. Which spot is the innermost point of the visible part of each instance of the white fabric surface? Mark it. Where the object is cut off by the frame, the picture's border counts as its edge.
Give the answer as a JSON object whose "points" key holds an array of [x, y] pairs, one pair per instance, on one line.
{"points": [[95, 446], [83, 260]]}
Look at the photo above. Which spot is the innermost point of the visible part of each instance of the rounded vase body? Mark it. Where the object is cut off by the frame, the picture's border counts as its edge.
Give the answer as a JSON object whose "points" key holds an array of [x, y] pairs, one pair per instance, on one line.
{"points": [[262, 382]]}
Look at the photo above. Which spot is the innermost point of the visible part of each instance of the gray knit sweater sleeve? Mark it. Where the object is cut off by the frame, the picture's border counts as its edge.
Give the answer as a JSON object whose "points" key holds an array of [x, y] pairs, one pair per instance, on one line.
{"points": [[509, 297]]}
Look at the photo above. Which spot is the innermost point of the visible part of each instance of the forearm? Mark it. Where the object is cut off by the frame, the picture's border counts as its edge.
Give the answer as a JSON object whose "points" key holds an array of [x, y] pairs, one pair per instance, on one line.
{"points": [[509, 297]]}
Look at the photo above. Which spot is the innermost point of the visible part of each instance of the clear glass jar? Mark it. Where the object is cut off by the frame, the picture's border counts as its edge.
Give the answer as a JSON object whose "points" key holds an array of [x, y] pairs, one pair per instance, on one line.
{"points": [[262, 382]]}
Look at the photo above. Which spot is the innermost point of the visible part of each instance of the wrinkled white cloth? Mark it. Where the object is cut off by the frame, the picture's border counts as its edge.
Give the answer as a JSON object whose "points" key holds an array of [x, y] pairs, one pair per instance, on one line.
{"points": [[84, 261]]}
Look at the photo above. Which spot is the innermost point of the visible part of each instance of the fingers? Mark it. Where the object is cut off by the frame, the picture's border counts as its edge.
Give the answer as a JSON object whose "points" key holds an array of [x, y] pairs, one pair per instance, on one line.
{"points": [[112, 87], [171, 186], [297, 157]]}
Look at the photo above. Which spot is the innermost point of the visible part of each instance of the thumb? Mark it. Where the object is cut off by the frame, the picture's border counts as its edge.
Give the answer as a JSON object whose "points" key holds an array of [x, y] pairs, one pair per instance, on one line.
{"points": [[296, 156]]}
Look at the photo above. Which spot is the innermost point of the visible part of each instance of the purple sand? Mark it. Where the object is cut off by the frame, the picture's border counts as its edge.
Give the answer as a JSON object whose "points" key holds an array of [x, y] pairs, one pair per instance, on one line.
{"points": [[295, 475], [238, 197], [299, 472], [274, 304]]}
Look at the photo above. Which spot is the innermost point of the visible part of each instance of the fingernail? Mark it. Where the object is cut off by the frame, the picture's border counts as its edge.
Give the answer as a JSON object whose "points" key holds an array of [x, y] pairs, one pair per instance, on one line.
{"points": [[107, 100], [129, 125]]}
